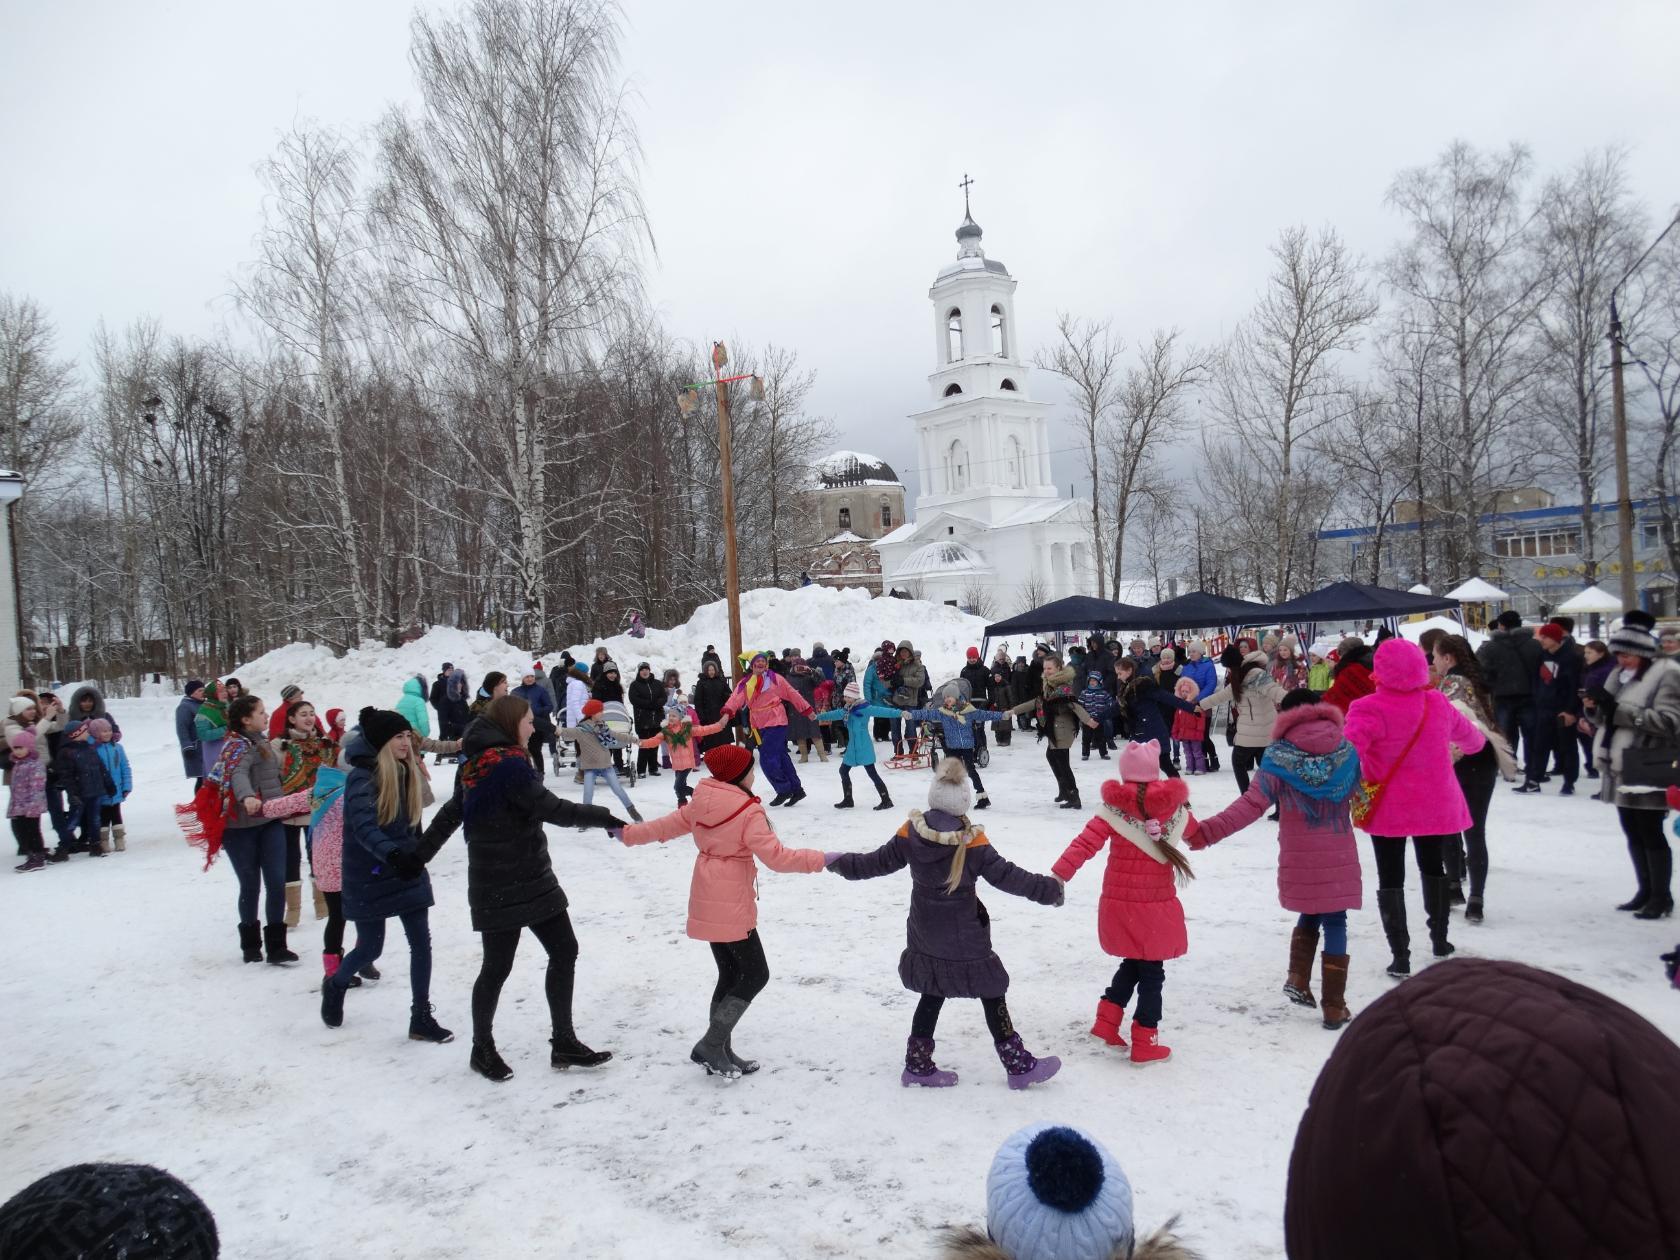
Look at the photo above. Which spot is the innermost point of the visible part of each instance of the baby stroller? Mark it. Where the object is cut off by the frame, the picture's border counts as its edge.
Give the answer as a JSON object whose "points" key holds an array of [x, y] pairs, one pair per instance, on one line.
{"points": [[617, 717], [982, 748]]}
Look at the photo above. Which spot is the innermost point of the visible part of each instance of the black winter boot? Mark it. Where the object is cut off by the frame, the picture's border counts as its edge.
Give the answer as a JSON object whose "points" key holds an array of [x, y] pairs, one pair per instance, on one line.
{"points": [[845, 802], [332, 1002], [568, 1052], [1437, 904], [1391, 905], [274, 937], [1660, 904], [1071, 801], [422, 1027], [250, 941], [886, 801], [1642, 874], [487, 1063]]}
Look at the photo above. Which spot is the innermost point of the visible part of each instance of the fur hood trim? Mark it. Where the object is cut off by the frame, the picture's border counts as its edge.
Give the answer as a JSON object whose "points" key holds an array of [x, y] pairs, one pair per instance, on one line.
{"points": [[1164, 1244], [1161, 798], [967, 837]]}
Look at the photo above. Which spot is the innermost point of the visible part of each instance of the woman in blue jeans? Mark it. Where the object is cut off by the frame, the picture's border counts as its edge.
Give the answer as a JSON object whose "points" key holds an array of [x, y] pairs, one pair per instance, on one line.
{"points": [[254, 843], [384, 866]]}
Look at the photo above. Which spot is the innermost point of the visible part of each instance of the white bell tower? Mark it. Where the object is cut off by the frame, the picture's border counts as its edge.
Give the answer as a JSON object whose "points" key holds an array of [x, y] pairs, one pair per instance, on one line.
{"points": [[982, 444]]}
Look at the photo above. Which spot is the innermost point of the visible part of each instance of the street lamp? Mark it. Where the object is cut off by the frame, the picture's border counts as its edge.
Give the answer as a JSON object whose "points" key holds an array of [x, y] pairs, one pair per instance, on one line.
{"points": [[1618, 398], [686, 403]]}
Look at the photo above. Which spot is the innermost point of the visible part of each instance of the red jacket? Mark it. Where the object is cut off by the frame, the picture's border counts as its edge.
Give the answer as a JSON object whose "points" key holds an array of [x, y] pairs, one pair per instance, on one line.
{"points": [[1139, 914], [1351, 683]]}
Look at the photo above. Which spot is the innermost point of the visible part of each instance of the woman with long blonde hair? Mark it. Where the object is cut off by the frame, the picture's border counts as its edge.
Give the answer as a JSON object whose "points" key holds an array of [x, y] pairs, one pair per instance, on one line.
{"points": [[384, 866]]}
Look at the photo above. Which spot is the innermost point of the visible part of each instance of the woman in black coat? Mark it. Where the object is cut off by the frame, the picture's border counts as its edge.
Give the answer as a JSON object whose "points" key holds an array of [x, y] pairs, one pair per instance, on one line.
{"points": [[511, 886], [608, 689], [710, 693], [647, 710]]}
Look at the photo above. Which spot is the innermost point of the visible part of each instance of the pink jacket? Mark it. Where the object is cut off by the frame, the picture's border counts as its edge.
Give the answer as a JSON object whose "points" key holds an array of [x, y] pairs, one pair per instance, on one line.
{"points": [[1318, 856], [730, 829], [683, 755], [766, 707], [1138, 914], [1420, 795]]}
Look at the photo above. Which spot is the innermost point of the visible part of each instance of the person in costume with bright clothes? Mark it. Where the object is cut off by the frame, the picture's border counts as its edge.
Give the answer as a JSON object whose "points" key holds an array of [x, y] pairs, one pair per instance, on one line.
{"points": [[960, 722], [733, 834], [763, 693], [681, 737], [948, 953], [860, 747], [1405, 732], [303, 750], [1310, 773], [210, 724], [1141, 819]]}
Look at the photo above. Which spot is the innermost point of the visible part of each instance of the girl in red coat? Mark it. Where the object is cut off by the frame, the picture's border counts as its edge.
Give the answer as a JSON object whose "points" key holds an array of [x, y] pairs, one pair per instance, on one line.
{"points": [[1139, 918]]}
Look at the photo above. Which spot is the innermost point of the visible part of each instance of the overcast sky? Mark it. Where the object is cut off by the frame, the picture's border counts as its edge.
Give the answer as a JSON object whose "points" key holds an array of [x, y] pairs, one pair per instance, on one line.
{"points": [[802, 160]]}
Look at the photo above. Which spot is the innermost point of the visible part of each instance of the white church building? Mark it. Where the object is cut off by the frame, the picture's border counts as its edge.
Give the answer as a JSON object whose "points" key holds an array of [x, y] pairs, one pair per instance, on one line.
{"points": [[988, 516]]}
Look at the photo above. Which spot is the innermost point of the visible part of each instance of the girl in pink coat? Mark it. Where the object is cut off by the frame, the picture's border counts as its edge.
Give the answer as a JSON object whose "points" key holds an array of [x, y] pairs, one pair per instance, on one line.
{"points": [[1139, 918], [681, 737], [1310, 774], [1405, 732], [731, 829], [763, 692]]}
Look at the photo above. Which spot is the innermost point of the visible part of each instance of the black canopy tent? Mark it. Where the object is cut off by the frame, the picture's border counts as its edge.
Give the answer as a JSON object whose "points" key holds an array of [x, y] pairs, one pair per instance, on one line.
{"points": [[1198, 610], [1075, 612], [1356, 601]]}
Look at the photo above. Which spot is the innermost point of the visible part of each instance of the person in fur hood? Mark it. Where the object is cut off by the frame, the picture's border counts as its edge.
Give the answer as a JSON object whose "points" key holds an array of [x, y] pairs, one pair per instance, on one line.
{"points": [[1055, 1193], [949, 950], [1310, 773], [1141, 819]]}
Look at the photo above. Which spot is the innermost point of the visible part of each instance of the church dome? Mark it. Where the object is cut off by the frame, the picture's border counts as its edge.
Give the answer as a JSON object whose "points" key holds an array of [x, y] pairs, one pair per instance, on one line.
{"points": [[968, 230], [946, 556], [852, 468]]}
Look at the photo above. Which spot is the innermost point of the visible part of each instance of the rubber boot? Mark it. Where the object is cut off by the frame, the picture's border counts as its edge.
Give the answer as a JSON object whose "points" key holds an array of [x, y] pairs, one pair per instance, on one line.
{"points": [[1107, 1026], [1022, 1067], [320, 900], [1437, 905], [1303, 944], [330, 964], [747, 1066], [845, 802], [919, 1067], [1334, 984], [119, 837], [294, 903], [250, 941], [1391, 905], [711, 1051], [487, 1063], [274, 938], [886, 801], [1146, 1045]]}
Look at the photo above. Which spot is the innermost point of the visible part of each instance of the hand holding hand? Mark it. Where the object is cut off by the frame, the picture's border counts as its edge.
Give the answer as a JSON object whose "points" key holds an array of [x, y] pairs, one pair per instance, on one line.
{"points": [[617, 833], [615, 823], [829, 859], [253, 804], [407, 865]]}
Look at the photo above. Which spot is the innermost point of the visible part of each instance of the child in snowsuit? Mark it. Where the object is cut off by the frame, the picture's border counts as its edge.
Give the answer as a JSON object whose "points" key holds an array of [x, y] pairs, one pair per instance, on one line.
{"points": [[949, 950], [29, 799], [596, 746], [1311, 773], [86, 784], [1099, 703], [1139, 918], [112, 833], [731, 829], [1190, 729], [681, 738], [860, 748], [959, 722]]}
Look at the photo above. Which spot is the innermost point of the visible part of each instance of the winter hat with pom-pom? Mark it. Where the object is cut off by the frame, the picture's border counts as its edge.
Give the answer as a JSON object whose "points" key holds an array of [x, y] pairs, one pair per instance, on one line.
{"points": [[850, 693], [1140, 763], [381, 726], [130, 1210], [729, 762], [950, 792], [1636, 634], [1055, 1194]]}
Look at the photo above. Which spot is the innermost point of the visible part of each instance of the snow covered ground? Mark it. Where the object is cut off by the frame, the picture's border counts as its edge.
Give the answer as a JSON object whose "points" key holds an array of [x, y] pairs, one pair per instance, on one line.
{"points": [[133, 1032]]}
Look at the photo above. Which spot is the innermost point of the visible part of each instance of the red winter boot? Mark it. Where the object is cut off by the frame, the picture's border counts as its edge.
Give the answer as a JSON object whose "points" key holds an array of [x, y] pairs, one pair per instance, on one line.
{"points": [[1107, 1027], [1146, 1047]]}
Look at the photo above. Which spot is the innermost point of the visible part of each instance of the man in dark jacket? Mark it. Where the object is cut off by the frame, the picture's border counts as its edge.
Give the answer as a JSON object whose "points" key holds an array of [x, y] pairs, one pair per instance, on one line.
{"points": [[1557, 707], [1100, 659], [438, 698], [1510, 661], [192, 752]]}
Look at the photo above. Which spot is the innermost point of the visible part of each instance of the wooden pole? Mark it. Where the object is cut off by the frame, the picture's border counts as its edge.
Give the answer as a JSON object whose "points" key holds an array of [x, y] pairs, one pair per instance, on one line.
{"points": [[1624, 501], [731, 575]]}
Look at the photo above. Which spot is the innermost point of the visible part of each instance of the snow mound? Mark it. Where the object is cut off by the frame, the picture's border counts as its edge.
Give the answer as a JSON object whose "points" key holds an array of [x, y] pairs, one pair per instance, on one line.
{"points": [[773, 619]]}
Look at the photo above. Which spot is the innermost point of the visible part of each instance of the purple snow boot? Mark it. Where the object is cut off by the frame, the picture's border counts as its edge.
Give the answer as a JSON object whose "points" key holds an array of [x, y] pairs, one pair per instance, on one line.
{"points": [[919, 1068], [1023, 1069]]}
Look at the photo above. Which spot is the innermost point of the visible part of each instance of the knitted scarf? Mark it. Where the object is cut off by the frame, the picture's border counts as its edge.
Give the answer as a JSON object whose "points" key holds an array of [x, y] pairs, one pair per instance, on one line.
{"points": [[1326, 780], [213, 712], [602, 734], [486, 778], [203, 819]]}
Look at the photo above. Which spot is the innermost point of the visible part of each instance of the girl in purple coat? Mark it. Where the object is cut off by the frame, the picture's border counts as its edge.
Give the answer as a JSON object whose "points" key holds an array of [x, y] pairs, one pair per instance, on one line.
{"points": [[1310, 773], [949, 950]]}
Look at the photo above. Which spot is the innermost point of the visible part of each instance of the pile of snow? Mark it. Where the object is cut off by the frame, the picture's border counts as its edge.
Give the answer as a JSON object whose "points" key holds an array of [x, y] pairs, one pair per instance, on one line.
{"points": [[1412, 630], [773, 619]]}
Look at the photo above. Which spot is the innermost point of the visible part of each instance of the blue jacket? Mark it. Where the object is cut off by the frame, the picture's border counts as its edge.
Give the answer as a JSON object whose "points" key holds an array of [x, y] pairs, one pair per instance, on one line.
{"points": [[959, 731], [541, 700], [874, 690], [1098, 703], [186, 735], [860, 744], [372, 887], [1203, 673], [1150, 704], [115, 761]]}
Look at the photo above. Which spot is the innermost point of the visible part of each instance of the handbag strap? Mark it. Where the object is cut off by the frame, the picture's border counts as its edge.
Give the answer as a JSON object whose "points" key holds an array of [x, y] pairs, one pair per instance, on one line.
{"points": [[1423, 720]]}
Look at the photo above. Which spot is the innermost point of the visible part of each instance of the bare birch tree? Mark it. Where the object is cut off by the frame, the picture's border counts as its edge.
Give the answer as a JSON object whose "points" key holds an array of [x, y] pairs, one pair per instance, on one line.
{"points": [[1087, 355]]}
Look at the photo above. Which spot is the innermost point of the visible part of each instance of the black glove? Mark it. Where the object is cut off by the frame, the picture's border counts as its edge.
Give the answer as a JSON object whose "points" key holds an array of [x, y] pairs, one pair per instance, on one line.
{"points": [[614, 823], [406, 864]]}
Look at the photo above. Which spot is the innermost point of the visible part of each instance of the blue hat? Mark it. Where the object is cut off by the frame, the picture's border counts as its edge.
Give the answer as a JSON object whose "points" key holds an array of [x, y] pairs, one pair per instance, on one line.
{"points": [[1055, 1194]]}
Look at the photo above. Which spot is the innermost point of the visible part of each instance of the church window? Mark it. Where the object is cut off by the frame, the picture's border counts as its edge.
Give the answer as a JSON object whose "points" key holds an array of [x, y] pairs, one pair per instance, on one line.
{"points": [[953, 335], [956, 466], [845, 518], [952, 389], [1015, 463], [1000, 334], [1008, 384], [886, 514], [950, 529]]}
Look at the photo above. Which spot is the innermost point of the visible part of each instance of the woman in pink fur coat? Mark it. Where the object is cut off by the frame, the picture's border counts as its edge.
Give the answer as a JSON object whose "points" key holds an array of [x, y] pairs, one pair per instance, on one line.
{"points": [[1405, 732]]}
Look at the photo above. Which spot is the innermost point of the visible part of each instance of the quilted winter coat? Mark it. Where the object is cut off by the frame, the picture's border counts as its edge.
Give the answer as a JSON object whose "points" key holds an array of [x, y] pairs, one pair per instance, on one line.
{"points": [[1318, 856], [1257, 709], [1488, 1109], [1139, 914], [1420, 796], [730, 829]]}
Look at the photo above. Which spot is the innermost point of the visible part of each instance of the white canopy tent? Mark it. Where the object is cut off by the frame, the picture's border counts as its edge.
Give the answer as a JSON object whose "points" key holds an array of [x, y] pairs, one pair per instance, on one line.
{"points": [[1476, 591], [1595, 599]]}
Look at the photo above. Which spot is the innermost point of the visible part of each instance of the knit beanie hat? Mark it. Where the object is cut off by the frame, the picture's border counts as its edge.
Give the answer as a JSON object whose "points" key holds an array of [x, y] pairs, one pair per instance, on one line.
{"points": [[1478, 1110], [850, 693], [74, 727], [950, 791], [1551, 630], [130, 1210], [592, 707], [1054, 1193], [22, 742], [973, 653], [1635, 635], [290, 690], [21, 704], [1140, 763], [1168, 656], [729, 762], [193, 684], [100, 727], [381, 726]]}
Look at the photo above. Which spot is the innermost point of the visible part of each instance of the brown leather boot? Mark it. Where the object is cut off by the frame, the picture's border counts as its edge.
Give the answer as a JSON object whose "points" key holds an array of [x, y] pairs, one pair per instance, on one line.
{"points": [[1334, 984], [1303, 944]]}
